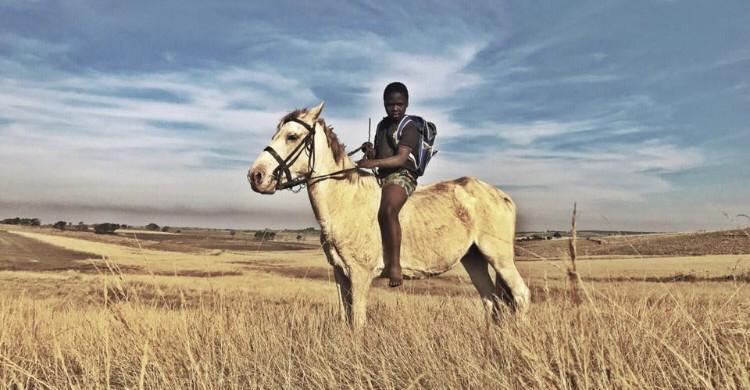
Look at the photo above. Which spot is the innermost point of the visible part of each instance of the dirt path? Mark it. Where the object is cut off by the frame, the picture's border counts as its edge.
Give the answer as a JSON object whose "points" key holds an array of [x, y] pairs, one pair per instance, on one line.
{"points": [[18, 253], [187, 242]]}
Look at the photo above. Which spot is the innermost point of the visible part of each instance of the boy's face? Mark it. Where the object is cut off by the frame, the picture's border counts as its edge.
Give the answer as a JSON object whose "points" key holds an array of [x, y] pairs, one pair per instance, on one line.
{"points": [[395, 105]]}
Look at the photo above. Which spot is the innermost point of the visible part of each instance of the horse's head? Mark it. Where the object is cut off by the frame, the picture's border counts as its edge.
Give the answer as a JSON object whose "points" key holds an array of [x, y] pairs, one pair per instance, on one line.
{"points": [[287, 157]]}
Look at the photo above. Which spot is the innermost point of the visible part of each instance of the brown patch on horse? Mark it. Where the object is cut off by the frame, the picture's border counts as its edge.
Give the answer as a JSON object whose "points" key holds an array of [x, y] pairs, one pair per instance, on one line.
{"points": [[462, 180], [441, 187], [463, 214]]}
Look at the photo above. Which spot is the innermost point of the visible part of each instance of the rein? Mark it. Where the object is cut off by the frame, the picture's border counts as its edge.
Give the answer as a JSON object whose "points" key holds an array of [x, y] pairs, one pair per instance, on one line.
{"points": [[306, 145]]}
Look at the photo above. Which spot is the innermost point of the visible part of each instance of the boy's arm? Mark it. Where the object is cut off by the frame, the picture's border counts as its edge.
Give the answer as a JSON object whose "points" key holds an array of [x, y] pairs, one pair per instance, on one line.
{"points": [[408, 141], [396, 160], [410, 136]]}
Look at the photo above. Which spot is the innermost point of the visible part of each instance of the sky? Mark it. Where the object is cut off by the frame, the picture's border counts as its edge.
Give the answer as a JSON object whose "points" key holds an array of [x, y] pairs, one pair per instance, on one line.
{"points": [[141, 111]]}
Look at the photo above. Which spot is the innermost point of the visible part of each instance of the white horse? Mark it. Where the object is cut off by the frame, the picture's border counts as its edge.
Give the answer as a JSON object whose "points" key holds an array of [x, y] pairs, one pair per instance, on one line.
{"points": [[465, 220]]}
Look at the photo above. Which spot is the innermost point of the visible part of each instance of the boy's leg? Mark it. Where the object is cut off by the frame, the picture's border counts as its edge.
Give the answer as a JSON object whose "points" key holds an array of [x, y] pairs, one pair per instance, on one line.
{"points": [[392, 199]]}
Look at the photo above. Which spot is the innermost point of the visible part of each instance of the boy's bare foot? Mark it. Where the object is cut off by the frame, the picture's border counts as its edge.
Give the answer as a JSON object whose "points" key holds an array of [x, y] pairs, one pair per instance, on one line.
{"points": [[396, 278]]}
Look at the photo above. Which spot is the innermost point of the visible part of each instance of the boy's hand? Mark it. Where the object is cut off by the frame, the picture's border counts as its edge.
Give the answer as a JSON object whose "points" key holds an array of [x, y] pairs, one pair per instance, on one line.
{"points": [[368, 149], [365, 163]]}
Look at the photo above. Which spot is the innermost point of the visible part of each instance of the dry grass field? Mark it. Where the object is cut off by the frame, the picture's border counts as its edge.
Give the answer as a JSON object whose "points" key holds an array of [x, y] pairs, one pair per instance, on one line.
{"points": [[727, 242], [193, 310]]}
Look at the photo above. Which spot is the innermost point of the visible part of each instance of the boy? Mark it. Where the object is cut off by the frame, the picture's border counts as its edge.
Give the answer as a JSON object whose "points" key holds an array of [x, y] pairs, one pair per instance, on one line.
{"points": [[397, 171]]}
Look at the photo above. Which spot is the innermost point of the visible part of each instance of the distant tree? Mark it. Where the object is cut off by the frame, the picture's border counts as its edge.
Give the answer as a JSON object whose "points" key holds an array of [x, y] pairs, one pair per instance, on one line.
{"points": [[165, 229], [300, 237], [22, 221], [105, 228], [557, 235], [265, 234], [232, 233], [60, 225], [153, 227], [82, 226], [123, 226]]}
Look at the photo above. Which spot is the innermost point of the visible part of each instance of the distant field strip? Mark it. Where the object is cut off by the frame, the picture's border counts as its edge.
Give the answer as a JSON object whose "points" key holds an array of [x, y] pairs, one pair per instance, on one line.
{"points": [[727, 242], [21, 253]]}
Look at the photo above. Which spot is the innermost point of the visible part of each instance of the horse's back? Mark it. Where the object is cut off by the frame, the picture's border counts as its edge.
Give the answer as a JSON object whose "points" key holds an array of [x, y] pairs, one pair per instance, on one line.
{"points": [[442, 220], [466, 188], [473, 203]]}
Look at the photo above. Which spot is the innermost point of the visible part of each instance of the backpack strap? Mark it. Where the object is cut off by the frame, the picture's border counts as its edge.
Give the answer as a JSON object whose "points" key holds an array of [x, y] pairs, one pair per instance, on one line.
{"points": [[400, 129], [394, 140]]}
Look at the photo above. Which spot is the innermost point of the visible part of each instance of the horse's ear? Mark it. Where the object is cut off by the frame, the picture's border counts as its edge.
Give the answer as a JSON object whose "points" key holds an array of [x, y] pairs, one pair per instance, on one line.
{"points": [[314, 113]]}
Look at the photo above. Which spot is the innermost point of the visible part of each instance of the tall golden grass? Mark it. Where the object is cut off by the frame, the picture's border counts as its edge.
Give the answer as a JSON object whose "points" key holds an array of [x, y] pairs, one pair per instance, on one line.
{"points": [[156, 332], [133, 337]]}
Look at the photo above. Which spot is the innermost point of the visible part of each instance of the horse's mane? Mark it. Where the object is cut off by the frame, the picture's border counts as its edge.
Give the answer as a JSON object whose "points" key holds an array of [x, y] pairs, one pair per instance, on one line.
{"points": [[338, 149]]}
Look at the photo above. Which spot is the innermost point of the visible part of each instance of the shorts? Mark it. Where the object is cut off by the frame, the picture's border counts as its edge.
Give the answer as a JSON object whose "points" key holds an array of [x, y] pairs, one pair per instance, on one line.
{"points": [[403, 178]]}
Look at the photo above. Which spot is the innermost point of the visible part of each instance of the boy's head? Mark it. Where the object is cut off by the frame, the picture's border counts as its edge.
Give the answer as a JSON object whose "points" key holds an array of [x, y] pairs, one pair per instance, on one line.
{"points": [[395, 100]]}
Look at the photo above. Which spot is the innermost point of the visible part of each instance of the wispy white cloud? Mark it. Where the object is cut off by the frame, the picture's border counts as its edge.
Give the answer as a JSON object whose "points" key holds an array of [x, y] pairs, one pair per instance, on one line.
{"points": [[527, 133], [27, 48]]}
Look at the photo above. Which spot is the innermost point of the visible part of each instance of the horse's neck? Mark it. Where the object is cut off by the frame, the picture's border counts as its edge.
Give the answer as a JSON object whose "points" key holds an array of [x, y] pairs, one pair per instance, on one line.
{"points": [[340, 203]]}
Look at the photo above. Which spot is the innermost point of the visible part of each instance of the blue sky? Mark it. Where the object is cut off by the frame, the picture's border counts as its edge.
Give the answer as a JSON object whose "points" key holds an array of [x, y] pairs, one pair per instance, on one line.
{"points": [[152, 111]]}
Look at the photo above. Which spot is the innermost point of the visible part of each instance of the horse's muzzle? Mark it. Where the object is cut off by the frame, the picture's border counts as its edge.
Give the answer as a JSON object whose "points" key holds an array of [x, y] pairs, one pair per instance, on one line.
{"points": [[259, 181]]}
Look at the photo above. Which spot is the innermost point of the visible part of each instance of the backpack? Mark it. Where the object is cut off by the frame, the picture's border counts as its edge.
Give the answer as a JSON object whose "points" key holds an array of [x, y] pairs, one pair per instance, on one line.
{"points": [[427, 133]]}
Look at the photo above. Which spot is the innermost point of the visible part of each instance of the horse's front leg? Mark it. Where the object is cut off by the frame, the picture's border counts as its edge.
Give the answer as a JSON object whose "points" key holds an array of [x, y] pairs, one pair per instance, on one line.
{"points": [[360, 280], [344, 285], [352, 289]]}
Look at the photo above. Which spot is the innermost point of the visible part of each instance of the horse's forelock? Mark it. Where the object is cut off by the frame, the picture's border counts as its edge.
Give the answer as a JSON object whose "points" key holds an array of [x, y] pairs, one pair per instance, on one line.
{"points": [[292, 115]]}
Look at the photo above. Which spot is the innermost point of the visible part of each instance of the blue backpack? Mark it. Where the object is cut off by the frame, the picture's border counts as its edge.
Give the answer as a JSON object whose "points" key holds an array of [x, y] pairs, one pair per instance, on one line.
{"points": [[427, 133]]}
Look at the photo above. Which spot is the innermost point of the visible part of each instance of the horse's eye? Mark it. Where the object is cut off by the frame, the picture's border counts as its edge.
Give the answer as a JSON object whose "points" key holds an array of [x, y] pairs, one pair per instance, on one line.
{"points": [[292, 137]]}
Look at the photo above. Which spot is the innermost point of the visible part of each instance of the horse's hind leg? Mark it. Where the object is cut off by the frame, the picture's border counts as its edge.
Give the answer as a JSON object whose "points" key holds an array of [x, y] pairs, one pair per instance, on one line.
{"points": [[476, 266], [510, 284]]}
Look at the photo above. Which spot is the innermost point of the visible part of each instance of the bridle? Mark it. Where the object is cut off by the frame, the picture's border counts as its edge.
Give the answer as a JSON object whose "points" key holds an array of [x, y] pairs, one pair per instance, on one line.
{"points": [[306, 145]]}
